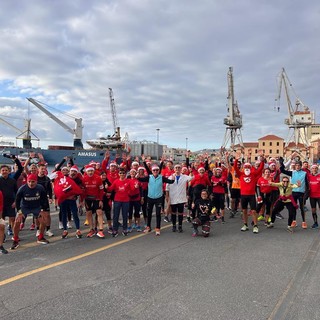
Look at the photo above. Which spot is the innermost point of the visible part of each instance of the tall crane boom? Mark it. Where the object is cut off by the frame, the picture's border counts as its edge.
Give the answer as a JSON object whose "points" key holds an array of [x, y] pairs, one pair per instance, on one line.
{"points": [[25, 134], [233, 121], [77, 132], [300, 118], [116, 127]]}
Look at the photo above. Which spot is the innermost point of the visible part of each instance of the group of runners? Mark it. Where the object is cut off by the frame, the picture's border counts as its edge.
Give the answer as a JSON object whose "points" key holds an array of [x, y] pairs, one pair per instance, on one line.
{"points": [[137, 188]]}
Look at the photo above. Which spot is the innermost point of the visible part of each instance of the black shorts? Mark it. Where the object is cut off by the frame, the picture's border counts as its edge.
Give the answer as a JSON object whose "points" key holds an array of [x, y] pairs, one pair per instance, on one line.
{"points": [[92, 205], [218, 201], [249, 200], [34, 211], [8, 211], [314, 202], [235, 193]]}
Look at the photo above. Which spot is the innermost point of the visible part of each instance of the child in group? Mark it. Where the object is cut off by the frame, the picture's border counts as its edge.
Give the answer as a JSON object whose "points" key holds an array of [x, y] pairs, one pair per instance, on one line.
{"points": [[203, 207]]}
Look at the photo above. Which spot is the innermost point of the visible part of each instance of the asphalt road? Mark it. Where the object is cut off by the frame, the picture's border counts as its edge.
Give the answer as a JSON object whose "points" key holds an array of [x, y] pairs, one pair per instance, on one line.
{"points": [[230, 275]]}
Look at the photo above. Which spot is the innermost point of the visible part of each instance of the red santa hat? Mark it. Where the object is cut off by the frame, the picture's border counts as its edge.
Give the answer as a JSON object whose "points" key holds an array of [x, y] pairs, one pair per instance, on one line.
{"points": [[314, 166], [247, 165], [32, 177], [65, 168], [113, 164], [89, 167], [217, 169], [201, 169], [155, 167], [271, 164], [74, 168], [135, 163], [141, 168]]}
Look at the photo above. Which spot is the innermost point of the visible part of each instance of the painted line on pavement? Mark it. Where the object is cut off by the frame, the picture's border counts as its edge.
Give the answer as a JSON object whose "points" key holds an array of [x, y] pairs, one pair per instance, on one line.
{"points": [[74, 258]]}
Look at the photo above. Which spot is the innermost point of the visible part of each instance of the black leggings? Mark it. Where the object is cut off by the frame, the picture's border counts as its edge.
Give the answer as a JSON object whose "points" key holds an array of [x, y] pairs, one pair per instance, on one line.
{"points": [[279, 206], [157, 203]]}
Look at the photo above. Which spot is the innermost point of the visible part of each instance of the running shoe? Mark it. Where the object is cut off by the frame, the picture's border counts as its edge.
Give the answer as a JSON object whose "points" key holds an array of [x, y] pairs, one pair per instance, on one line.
{"points": [[157, 232], [195, 233], [60, 225], [315, 226], [133, 226], [289, 229], [91, 234], [100, 234], [21, 226], [49, 233], [180, 229], [69, 225], [138, 228], [3, 250], [270, 225], [244, 228], [15, 245], [232, 214], [174, 228], [124, 233], [304, 225], [64, 234], [33, 226], [279, 216], [166, 219], [255, 229], [78, 234], [42, 241], [110, 231], [222, 220], [115, 234], [129, 229], [293, 224], [260, 218], [147, 229], [38, 233], [188, 219]]}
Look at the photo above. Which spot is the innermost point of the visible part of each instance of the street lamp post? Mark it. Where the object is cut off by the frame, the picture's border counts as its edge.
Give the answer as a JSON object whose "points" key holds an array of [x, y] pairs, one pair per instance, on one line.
{"points": [[158, 130]]}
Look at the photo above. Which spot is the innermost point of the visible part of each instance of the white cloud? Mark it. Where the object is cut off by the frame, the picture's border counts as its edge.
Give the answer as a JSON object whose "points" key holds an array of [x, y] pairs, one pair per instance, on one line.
{"points": [[165, 60]]}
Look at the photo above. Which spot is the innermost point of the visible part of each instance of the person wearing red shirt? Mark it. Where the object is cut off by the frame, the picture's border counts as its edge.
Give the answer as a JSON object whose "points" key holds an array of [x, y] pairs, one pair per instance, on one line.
{"points": [[121, 188], [93, 196], [200, 182], [264, 192], [167, 171], [314, 190], [248, 180], [141, 174], [219, 182], [136, 197]]}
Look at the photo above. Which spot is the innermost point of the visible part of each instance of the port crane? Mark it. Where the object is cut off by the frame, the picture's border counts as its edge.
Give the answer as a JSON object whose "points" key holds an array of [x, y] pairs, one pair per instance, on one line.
{"points": [[76, 132], [25, 135], [116, 136], [233, 121], [111, 141], [300, 118]]}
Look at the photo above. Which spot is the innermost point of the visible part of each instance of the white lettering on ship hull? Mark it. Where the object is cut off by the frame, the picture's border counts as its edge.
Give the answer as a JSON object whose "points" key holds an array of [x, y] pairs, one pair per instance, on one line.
{"points": [[86, 154]]}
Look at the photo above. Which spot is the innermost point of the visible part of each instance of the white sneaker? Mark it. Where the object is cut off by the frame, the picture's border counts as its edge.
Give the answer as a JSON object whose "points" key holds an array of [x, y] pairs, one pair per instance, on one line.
{"points": [[60, 226], [255, 229], [69, 226], [37, 233], [49, 233], [244, 228]]}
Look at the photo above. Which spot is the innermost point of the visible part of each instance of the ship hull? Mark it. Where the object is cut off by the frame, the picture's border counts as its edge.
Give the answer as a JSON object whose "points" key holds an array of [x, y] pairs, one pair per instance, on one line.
{"points": [[80, 157]]}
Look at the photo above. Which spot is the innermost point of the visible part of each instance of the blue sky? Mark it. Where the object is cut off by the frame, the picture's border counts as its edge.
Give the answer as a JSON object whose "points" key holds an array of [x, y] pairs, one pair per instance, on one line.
{"points": [[166, 61]]}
